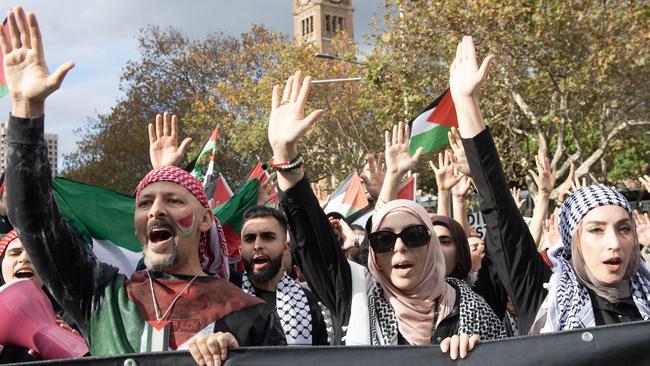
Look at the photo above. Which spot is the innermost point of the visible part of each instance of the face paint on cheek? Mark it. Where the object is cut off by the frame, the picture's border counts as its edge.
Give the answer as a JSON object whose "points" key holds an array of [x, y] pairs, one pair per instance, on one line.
{"points": [[186, 225]]}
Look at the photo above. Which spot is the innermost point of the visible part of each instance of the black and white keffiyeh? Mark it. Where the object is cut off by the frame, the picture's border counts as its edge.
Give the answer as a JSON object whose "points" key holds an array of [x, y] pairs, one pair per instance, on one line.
{"points": [[292, 307], [475, 318], [568, 304]]}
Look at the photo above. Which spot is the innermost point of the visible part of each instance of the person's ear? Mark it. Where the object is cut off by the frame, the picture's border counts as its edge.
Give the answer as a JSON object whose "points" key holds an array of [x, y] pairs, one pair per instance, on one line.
{"points": [[206, 220]]}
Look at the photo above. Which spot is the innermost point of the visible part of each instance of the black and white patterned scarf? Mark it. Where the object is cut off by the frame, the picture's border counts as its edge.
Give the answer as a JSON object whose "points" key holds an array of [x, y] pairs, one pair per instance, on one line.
{"points": [[292, 307], [475, 318], [568, 304]]}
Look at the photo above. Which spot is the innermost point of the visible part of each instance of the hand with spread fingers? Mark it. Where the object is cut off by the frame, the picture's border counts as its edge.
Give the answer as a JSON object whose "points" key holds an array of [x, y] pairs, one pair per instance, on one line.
{"points": [[645, 180], [212, 349], [642, 223], [28, 78], [376, 174], [163, 142], [459, 159], [516, 195], [446, 176], [551, 232], [398, 162], [398, 159], [288, 124], [459, 345]]}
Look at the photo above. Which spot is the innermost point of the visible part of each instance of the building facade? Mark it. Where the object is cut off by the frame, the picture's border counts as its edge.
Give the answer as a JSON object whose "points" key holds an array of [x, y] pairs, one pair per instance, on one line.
{"points": [[319, 21], [52, 149]]}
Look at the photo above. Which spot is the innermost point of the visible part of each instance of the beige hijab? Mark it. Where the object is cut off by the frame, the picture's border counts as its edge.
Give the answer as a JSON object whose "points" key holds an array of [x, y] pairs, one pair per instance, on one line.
{"points": [[414, 309]]}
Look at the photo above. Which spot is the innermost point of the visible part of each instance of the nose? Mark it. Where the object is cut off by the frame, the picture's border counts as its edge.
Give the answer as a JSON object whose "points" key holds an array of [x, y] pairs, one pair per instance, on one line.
{"points": [[613, 239], [23, 258], [400, 247], [157, 209]]}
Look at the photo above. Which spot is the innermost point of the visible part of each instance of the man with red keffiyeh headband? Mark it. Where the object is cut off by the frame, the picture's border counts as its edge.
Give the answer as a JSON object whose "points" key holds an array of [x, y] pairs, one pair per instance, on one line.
{"points": [[184, 293]]}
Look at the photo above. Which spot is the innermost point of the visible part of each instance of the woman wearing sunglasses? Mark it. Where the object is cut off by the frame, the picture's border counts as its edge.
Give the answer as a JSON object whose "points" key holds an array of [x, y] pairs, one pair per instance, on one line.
{"points": [[597, 277], [404, 299]]}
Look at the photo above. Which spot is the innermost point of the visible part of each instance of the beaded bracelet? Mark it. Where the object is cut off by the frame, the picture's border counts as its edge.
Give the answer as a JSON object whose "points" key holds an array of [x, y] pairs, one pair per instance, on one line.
{"points": [[285, 167]]}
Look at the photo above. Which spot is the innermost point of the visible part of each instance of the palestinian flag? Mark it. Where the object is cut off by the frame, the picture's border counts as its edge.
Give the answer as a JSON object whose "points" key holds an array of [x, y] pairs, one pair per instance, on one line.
{"points": [[260, 173], [221, 193], [407, 191], [195, 167], [349, 198], [103, 219], [231, 216], [429, 129], [3, 83]]}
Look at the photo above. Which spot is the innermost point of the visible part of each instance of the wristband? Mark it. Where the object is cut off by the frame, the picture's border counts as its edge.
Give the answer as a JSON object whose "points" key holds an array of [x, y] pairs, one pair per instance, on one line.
{"points": [[285, 167]]}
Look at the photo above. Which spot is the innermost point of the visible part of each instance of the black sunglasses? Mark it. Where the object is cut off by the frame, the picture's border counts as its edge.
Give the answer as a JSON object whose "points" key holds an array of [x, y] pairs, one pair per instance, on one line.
{"points": [[413, 236]]}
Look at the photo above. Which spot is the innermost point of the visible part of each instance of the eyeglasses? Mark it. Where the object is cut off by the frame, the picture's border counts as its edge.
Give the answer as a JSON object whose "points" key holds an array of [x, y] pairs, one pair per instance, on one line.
{"points": [[413, 236]]}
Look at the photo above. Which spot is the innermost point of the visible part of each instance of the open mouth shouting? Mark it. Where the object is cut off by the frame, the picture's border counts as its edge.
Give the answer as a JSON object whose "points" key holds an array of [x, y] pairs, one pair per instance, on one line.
{"points": [[160, 235], [402, 268], [260, 262], [613, 264], [24, 273]]}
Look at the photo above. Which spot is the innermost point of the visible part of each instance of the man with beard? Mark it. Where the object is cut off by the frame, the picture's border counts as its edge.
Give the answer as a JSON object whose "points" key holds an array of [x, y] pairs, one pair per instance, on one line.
{"points": [[182, 300], [264, 243]]}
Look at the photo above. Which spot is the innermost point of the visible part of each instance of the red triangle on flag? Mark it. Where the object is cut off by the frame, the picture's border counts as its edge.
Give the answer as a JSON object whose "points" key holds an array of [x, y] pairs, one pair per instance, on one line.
{"points": [[445, 112], [407, 191], [257, 173], [215, 134], [222, 191], [355, 194]]}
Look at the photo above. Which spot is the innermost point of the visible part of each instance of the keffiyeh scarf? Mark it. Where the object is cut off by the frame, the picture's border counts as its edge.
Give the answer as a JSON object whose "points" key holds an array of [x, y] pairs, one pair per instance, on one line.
{"points": [[292, 307], [568, 304], [475, 318]]}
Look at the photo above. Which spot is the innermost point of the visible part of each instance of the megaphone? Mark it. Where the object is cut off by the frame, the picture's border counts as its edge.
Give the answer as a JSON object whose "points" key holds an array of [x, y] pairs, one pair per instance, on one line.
{"points": [[28, 321]]}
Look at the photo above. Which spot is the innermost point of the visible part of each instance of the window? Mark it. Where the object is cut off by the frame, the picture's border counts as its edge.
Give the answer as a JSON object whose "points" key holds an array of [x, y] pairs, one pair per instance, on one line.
{"points": [[303, 27], [327, 23], [341, 24], [311, 24]]}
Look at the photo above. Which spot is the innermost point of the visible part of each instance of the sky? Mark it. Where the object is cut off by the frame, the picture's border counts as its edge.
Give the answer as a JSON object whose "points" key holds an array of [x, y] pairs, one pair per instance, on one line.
{"points": [[100, 37]]}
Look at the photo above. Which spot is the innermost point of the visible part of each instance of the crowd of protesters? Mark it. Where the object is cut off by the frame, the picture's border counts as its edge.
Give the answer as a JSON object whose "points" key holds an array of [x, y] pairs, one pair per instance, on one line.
{"points": [[409, 277]]}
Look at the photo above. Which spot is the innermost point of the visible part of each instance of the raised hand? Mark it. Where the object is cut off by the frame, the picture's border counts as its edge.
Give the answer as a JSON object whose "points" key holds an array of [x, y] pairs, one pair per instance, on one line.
{"points": [[565, 188], [28, 78], [459, 159], [642, 222], [461, 188], [446, 178], [163, 142], [396, 153], [545, 176], [376, 174], [466, 77], [516, 192], [645, 180], [288, 123], [551, 232]]}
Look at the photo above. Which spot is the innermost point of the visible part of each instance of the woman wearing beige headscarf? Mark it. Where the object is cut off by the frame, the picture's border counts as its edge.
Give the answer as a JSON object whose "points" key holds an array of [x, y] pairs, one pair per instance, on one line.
{"points": [[404, 299]]}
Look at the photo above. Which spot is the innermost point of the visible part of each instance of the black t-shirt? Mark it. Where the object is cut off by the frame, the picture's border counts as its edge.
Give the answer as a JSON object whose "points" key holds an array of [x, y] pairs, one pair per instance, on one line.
{"points": [[607, 313]]}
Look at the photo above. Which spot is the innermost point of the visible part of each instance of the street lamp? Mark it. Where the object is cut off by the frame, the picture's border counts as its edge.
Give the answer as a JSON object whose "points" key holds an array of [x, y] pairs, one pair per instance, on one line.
{"points": [[339, 80]]}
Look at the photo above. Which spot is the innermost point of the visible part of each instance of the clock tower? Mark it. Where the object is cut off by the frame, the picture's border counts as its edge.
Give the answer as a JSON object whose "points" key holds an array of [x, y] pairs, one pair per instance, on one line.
{"points": [[318, 21]]}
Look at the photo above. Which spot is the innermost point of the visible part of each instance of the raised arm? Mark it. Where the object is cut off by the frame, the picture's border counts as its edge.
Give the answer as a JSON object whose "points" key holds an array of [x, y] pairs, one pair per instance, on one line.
{"points": [[163, 141], [398, 162], [510, 246], [545, 181], [446, 179], [321, 259], [459, 200], [68, 269]]}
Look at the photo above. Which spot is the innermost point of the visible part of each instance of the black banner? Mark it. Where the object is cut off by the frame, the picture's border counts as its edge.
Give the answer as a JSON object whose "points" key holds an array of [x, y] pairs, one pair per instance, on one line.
{"points": [[627, 344]]}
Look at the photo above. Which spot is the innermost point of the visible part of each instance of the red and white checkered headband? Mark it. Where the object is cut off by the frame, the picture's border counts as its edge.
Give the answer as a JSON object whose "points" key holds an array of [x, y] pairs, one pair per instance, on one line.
{"points": [[175, 175], [6, 240]]}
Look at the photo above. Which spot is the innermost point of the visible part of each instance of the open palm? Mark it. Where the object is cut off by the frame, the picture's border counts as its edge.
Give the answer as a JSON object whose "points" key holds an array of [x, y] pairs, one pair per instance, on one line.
{"points": [[27, 75], [396, 153], [465, 77]]}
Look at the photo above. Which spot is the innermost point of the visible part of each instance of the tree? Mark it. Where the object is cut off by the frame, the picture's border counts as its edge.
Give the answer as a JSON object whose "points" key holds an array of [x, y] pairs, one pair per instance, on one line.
{"points": [[570, 80], [227, 81]]}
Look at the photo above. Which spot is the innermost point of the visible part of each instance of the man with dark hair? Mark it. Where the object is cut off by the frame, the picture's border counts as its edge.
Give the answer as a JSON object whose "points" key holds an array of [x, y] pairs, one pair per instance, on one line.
{"points": [[264, 243]]}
